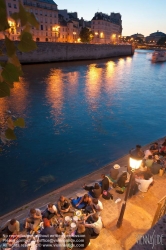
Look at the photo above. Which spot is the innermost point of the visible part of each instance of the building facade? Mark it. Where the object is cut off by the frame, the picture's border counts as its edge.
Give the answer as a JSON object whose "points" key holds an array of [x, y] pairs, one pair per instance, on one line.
{"points": [[106, 29], [69, 27], [46, 13]]}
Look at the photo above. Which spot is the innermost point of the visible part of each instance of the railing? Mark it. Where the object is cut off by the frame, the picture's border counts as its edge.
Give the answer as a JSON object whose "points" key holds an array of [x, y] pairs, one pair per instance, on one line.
{"points": [[161, 210]]}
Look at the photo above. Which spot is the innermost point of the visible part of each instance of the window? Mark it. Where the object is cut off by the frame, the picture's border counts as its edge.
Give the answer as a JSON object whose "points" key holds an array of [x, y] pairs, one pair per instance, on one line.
{"points": [[55, 15], [10, 12], [9, 5], [46, 27], [37, 39], [41, 27], [15, 6], [46, 34], [41, 13], [46, 39], [50, 14], [50, 20]]}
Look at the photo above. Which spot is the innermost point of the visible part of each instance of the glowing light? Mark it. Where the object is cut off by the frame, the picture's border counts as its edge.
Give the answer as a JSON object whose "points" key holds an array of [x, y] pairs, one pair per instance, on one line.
{"points": [[101, 35]]}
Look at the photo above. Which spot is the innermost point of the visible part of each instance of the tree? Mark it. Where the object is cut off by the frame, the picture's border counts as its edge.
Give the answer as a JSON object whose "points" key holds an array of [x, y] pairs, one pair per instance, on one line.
{"points": [[162, 41], [86, 35], [10, 70]]}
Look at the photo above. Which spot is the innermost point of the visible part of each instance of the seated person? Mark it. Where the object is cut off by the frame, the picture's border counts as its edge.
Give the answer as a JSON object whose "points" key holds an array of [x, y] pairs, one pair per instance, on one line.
{"points": [[147, 153], [122, 182], [82, 202], [94, 191], [64, 205], [82, 236], [149, 161], [46, 236], [143, 168], [50, 211], [154, 148], [34, 219], [97, 206], [10, 227], [60, 239], [104, 183], [164, 143], [163, 150], [143, 181], [156, 166], [114, 173], [94, 223], [133, 187]]}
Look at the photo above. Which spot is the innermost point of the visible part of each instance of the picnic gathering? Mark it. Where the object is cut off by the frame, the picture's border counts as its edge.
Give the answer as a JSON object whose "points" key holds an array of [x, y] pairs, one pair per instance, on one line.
{"points": [[71, 222]]}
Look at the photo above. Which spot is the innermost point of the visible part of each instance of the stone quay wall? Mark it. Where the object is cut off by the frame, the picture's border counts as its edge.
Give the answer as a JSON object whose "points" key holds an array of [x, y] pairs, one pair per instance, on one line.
{"points": [[53, 52]]}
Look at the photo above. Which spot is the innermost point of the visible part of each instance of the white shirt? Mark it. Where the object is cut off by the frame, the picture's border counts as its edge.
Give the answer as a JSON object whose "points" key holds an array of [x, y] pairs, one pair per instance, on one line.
{"points": [[97, 226], [99, 206], [147, 153], [52, 210], [144, 184]]}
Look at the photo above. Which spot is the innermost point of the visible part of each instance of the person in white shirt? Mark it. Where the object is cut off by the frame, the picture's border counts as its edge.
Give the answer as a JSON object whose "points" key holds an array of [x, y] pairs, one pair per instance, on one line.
{"points": [[97, 206], [50, 211], [94, 224], [147, 153], [143, 182]]}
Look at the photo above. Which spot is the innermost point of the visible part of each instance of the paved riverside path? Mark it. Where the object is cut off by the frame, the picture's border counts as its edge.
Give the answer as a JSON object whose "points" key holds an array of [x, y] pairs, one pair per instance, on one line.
{"points": [[137, 219]]}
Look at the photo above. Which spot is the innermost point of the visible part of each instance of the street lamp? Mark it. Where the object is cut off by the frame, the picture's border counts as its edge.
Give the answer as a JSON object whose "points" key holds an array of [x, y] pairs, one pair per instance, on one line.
{"points": [[134, 164], [56, 30]]}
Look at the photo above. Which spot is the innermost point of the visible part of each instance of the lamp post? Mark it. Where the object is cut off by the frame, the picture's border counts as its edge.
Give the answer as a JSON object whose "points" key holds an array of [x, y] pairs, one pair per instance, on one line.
{"points": [[134, 164]]}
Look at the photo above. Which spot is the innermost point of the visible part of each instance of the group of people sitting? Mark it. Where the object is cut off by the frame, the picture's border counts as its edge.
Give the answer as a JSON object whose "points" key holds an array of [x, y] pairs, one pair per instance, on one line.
{"points": [[89, 227], [153, 160]]}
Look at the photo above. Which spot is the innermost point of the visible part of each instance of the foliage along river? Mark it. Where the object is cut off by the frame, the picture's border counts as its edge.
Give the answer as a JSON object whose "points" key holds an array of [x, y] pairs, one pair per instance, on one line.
{"points": [[79, 116]]}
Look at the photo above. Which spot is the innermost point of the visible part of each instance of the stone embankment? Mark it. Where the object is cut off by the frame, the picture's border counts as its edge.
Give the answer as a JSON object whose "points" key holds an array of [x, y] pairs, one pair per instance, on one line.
{"points": [[53, 52], [138, 216]]}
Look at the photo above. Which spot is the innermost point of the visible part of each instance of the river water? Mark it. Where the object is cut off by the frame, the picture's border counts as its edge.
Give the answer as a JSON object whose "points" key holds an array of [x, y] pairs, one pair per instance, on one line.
{"points": [[79, 116]]}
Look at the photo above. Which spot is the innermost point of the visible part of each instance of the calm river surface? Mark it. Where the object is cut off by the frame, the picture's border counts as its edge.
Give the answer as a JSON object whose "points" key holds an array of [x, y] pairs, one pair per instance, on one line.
{"points": [[79, 116]]}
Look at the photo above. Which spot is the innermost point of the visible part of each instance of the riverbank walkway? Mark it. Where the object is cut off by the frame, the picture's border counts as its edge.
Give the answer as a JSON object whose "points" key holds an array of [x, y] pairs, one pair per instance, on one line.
{"points": [[137, 219]]}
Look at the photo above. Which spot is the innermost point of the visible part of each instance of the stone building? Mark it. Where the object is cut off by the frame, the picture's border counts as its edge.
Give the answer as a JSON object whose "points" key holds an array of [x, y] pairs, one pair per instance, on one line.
{"points": [[138, 36], [154, 37], [46, 13], [69, 26], [106, 28]]}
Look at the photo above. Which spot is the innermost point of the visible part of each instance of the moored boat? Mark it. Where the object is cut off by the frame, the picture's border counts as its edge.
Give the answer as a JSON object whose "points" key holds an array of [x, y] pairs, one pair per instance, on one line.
{"points": [[159, 56]]}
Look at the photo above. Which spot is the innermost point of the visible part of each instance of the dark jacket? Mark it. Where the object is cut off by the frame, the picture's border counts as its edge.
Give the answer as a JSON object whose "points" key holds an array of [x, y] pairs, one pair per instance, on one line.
{"points": [[155, 168], [45, 237], [105, 184], [82, 238]]}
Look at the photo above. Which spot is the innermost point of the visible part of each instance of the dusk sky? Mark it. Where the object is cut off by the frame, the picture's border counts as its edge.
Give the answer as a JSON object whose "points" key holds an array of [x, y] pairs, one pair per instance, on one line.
{"points": [[143, 16]]}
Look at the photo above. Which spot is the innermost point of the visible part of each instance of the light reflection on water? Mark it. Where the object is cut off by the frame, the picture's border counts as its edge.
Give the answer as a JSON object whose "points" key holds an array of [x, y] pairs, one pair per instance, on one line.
{"points": [[79, 116]]}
